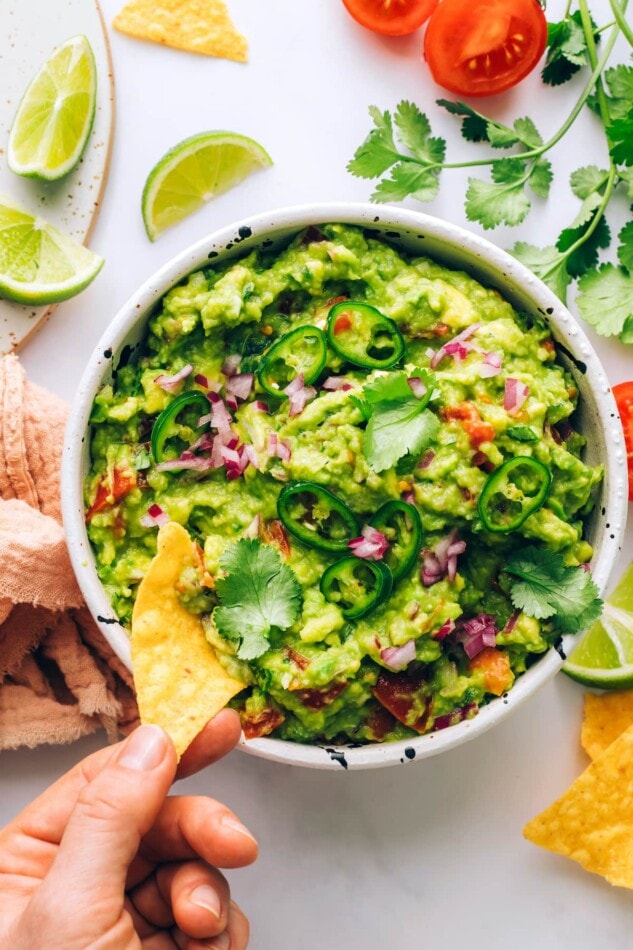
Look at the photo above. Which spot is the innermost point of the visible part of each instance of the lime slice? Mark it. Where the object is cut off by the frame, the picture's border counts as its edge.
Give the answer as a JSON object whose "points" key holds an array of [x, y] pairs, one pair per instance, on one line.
{"points": [[604, 656], [193, 172], [55, 116], [39, 264]]}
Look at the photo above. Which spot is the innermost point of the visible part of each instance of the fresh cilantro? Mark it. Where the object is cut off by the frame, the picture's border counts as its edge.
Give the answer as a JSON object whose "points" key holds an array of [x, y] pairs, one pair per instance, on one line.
{"points": [[566, 49], [409, 161], [400, 423], [543, 586], [257, 592], [606, 300], [523, 434]]}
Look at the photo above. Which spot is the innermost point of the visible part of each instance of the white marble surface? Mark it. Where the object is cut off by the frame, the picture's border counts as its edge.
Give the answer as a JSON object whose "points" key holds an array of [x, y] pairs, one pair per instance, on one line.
{"points": [[429, 854]]}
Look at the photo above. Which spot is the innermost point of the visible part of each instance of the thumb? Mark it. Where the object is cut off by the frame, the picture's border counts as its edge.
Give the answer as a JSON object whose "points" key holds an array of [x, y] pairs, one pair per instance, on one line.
{"points": [[111, 815]]}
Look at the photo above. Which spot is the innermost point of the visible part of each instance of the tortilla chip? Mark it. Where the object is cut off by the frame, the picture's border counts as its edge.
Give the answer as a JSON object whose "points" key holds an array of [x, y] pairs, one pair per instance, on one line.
{"points": [[606, 717], [180, 684], [200, 26], [592, 823]]}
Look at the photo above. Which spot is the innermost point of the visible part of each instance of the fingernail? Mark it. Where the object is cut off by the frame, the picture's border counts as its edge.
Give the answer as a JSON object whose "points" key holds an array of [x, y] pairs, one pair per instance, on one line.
{"points": [[205, 896], [144, 749], [222, 942], [228, 821]]}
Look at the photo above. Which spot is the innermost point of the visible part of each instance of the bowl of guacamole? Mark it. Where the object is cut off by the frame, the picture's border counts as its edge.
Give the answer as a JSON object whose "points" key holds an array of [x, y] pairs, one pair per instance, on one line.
{"points": [[398, 458]]}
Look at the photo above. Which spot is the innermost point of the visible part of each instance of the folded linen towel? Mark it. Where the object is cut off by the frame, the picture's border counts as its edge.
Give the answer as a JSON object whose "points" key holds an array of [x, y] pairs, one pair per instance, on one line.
{"points": [[59, 679]]}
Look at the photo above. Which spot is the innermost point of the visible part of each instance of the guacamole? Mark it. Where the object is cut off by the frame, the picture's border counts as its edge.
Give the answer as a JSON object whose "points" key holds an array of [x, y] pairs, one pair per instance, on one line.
{"points": [[391, 431]]}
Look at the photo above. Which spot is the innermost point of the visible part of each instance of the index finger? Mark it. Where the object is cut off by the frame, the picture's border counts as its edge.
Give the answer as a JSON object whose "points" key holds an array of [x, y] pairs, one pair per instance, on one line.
{"points": [[46, 817]]}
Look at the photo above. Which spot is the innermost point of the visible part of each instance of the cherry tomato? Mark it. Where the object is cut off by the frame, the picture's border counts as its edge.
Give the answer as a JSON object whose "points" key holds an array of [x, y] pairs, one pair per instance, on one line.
{"points": [[623, 393], [391, 17], [481, 47]]}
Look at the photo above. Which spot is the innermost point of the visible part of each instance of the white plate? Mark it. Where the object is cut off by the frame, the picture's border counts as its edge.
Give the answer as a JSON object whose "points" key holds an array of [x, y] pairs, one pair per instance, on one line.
{"points": [[30, 30]]}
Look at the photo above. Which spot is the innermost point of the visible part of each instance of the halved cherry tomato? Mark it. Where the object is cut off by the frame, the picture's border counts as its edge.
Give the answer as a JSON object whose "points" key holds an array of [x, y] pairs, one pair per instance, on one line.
{"points": [[391, 17], [623, 393], [481, 48], [111, 490]]}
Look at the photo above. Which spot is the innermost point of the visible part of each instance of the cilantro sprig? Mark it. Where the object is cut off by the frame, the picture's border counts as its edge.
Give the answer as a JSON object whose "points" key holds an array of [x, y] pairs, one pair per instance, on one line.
{"points": [[543, 586], [399, 422], [257, 592], [410, 161]]}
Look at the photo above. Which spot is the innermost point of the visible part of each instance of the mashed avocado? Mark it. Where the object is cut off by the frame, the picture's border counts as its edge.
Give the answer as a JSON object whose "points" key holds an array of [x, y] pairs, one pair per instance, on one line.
{"points": [[419, 386]]}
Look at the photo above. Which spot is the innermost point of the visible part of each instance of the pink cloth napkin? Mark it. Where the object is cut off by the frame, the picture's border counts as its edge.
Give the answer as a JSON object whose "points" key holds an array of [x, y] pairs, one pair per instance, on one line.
{"points": [[59, 679]]}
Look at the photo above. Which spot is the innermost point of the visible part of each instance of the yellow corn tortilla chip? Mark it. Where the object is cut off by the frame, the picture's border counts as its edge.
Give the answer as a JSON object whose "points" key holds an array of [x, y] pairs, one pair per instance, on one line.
{"points": [[592, 823], [606, 717], [180, 684], [200, 26]]}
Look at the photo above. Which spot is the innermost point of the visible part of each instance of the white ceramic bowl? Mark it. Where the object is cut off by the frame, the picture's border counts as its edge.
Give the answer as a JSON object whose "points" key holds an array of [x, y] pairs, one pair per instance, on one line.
{"points": [[420, 234]]}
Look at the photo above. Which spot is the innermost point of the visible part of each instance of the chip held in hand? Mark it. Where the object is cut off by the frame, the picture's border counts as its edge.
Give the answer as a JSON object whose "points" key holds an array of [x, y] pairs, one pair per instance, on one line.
{"points": [[180, 683]]}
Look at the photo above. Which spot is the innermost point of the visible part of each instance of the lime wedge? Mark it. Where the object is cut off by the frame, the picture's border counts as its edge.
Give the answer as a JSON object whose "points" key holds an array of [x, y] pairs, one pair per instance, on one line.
{"points": [[39, 264], [604, 656], [195, 171], [55, 116]]}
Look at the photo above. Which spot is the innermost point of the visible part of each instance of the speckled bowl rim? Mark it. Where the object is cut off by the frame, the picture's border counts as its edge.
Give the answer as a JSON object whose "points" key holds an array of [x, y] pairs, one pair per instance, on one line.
{"points": [[462, 250]]}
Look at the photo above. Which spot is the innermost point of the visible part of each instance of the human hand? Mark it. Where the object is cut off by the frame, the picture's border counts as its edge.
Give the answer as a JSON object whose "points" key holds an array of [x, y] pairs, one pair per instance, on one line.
{"points": [[105, 860]]}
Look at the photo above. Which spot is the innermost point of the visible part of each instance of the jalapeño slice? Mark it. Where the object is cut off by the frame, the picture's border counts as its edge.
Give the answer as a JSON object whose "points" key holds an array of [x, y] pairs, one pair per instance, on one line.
{"points": [[512, 493], [302, 351], [356, 586], [401, 525], [185, 409], [314, 515], [363, 335]]}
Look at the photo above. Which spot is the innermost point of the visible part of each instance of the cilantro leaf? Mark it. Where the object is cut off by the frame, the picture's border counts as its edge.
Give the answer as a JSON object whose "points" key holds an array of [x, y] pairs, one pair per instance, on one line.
{"points": [[586, 255], [501, 201], [415, 131], [547, 263], [625, 250], [587, 179], [527, 132], [405, 180], [257, 593], [620, 134], [546, 588], [400, 424], [619, 80], [566, 50], [378, 152], [541, 177], [605, 299], [474, 125]]}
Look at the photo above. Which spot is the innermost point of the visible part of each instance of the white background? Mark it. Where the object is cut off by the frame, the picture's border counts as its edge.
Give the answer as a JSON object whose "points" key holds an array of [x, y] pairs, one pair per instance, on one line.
{"points": [[431, 854]]}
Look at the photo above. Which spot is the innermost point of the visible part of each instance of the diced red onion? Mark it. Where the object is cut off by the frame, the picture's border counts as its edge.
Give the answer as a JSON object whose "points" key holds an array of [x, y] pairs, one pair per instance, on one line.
{"points": [[396, 658], [336, 382], [240, 385], [154, 517], [231, 402], [442, 560], [230, 456], [260, 406], [252, 531], [171, 383], [371, 546], [491, 365], [231, 364], [477, 634], [220, 416], [458, 346], [283, 450], [447, 627], [416, 386], [201, 380], [298, 394], [512, 619], [203, 420], [426, 459], [194, 463], [251, 454], [515, 395], [457, 715], [409, 497]]}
